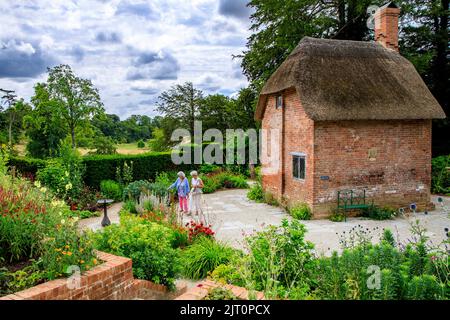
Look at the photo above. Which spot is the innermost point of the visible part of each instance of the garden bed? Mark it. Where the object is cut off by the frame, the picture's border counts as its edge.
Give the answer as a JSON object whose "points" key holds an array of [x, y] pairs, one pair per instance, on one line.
{"points": [[112, 280]]}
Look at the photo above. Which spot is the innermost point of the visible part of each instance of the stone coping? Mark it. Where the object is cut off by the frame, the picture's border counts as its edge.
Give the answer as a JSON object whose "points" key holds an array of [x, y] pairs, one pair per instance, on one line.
{"points": [[201, 291]]}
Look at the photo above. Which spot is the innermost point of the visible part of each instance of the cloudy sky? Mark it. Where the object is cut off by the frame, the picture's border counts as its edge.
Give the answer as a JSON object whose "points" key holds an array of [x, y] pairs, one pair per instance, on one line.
{"points": [[130, 49]]}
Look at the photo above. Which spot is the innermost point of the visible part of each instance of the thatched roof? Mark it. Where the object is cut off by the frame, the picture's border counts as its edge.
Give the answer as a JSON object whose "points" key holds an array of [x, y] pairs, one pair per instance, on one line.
{"points": [[352, 80]]}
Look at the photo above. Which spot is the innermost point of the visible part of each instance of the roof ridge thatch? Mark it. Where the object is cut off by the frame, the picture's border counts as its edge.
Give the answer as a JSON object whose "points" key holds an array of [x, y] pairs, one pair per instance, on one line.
{"points": [[352, 80]]}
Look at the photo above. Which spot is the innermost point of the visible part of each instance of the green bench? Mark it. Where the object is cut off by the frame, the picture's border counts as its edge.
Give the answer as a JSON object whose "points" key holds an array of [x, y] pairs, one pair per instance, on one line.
{"points": [[351, 200]]}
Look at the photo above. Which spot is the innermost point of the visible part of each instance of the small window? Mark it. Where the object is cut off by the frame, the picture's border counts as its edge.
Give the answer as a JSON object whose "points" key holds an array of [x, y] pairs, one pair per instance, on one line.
{"points": [[299, 166], [279, 102]]}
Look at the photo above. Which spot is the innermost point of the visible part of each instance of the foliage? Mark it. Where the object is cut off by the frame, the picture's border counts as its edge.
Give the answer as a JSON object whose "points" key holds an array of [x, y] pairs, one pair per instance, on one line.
{"points": [[127, 172], [134, 189], [32, 226], [104, 145], [440, 179], [77, 99], [220, 294], [19, 280], [256, 193], [141, 144], [377, 213], [159, 142], [82, 214], [111, 190], [300, 211], [280, 258], [196, 230], [44, 127], [203, 257], [129, 206], [63, 176], [147, 243], [182, 103], [145, 166], [218, 180], [337, 215]]}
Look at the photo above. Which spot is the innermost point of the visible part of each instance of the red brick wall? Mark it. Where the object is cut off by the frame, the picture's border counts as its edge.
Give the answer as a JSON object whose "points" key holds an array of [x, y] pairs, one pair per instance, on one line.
{"points": [[297, 132], [391, 159], [109, 281]]}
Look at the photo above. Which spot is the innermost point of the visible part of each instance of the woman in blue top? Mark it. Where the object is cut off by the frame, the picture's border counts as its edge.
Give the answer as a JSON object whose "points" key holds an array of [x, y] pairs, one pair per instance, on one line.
{"points": [[182, 187]]}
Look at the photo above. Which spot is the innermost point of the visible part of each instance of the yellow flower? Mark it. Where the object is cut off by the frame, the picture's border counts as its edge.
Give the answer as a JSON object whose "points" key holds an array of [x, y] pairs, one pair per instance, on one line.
{"points": [[67, 246], [81, 250], [81, 261], [94, 261], [69, 253], [69, 186], [37, 184]]}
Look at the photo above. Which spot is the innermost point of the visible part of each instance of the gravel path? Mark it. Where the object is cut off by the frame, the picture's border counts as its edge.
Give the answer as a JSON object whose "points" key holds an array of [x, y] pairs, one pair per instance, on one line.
{"points": [[95, 223], [233, 217]]}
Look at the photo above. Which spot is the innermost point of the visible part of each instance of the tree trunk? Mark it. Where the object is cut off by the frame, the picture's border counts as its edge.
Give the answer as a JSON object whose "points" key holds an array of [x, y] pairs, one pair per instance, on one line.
{"points": [[72, 133], [10, 131]]}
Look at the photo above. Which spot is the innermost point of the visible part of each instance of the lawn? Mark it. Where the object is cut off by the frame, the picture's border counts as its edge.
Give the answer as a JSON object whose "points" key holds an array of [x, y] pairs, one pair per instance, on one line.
{"points": [[123, 148]]}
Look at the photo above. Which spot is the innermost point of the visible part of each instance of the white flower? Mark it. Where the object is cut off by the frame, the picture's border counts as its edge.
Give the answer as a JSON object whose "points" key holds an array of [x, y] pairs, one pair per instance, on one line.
{"points": [[37, 184], [69, 186], [63, 221], [43, 189]]}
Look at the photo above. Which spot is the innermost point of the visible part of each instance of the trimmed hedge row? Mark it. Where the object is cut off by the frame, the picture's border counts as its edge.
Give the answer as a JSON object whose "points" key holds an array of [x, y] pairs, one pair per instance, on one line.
{"points": [[98, 168], [26, 165], [145, 166]]}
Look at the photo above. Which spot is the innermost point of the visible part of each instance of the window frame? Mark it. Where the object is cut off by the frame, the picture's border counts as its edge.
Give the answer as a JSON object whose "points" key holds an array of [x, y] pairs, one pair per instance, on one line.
{"points": [[301, 156], [277, 100]]}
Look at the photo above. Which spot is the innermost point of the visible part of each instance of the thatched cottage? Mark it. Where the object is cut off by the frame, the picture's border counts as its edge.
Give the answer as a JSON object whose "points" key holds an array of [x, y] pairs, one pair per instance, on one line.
{"points": [[351, 116]]}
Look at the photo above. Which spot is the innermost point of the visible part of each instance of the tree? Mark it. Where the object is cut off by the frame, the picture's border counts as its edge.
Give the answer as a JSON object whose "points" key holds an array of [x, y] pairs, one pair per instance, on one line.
{"points": [[215, 112], [16, 110], [278, 26], [182, 104], [77, 98], [43, 125]]}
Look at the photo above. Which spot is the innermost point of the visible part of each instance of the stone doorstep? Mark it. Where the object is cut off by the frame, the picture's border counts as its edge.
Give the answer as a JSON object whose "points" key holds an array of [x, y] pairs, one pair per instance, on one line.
{"points": [[202, 289]]}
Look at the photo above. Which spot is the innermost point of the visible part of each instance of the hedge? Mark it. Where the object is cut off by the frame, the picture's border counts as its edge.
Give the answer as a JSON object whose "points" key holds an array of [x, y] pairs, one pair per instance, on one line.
{"points": [[145, 166], [26, 165], [103, 167]]}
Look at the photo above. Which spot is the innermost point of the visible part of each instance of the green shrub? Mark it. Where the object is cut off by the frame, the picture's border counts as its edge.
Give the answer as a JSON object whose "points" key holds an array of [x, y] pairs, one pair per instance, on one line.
{"points": [[82, 214], [129, 206], [229, 274], [280, 257], [148, 244], [104, 146], [203, 257], [440, 179], [134, 189], [63, 176], [300, 211], [224, 179], [26, 165], [256, 193], [220, 294], [141, 144], [377, 213], [111, 190], [270, 199], [426, 287], [337, 215]]}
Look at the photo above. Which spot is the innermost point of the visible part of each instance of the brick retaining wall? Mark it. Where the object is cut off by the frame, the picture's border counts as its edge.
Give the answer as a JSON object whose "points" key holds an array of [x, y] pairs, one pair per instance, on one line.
{"points": [[112, 280]]}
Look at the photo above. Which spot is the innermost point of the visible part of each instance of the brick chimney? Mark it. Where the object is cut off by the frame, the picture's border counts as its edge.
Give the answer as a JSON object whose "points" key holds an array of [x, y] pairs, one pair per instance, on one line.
{"points": [[386, 26]]}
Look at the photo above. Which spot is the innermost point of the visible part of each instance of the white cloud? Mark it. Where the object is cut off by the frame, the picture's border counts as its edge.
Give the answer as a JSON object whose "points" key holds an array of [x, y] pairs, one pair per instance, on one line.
{"points": [[131, 49]]}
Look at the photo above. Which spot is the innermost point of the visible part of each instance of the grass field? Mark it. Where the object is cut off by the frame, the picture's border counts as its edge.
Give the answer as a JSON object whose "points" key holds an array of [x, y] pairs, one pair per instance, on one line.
{"points": [[125, 148]]}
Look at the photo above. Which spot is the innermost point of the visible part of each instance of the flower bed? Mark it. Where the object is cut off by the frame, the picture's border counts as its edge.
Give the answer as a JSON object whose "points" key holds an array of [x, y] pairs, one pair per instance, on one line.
{"points": [[112, 280]]}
